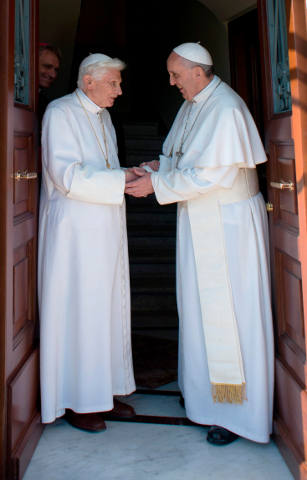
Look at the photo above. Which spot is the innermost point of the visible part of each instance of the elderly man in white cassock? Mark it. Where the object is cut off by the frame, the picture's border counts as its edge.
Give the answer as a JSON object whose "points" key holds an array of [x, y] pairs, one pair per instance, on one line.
{"points": [[83, 272], [208, 166]]}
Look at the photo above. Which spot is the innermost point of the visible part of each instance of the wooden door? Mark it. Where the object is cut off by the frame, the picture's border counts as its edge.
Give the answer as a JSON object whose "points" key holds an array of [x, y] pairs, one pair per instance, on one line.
{"points": [[19, 390], [286, 146]]}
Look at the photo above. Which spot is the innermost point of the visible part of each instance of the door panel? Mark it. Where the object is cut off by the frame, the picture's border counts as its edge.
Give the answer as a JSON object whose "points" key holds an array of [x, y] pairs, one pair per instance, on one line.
{"points": [[23, 417], [287, 221], [24, 252], [22, 156], [291, 405], [282, 169], [289, 302], [20, 423]]}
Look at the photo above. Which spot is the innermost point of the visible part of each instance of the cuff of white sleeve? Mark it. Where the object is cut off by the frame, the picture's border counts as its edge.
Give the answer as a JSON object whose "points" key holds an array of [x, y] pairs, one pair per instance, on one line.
{"points": [[155, 180], [102, 187]]}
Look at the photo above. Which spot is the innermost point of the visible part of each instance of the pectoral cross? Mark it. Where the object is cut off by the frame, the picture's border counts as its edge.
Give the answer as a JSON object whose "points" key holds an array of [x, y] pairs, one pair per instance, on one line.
{"points": [[179, 155]]}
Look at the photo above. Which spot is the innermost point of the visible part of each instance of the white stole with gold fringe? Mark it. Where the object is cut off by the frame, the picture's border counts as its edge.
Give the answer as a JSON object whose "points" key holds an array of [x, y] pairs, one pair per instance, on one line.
{"points": [[222, 341]]}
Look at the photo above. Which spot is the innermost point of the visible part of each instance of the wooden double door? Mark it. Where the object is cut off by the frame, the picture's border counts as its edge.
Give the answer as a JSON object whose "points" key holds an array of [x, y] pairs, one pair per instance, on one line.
{"points": [[285, 141]]}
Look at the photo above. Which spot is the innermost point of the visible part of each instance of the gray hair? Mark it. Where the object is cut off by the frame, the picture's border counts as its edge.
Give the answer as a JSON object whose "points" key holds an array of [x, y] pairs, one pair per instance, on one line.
{"points": [[50, 48], [98, 69], [208, 69]]}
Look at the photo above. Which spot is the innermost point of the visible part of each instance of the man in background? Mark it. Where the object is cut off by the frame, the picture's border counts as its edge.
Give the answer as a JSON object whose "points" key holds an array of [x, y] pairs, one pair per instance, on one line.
{"points": [[48, 69]]}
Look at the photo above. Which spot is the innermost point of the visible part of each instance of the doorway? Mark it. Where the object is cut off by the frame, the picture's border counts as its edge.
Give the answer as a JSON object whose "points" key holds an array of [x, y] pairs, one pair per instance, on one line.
{"points": [[142, 126], [163, 116]]}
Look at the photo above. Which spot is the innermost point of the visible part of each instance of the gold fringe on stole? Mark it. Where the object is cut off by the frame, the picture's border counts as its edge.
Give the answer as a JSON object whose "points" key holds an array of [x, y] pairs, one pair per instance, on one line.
{"points": [[223, 392]]}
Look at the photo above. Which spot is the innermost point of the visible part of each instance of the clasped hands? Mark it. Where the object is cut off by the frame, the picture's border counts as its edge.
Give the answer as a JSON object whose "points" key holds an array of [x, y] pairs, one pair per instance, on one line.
{"points": [[138, 180]]}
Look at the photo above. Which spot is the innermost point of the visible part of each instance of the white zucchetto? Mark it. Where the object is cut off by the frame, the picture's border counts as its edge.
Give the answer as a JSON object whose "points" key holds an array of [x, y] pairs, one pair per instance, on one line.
{"points": [[94, 58], [194, 52]]}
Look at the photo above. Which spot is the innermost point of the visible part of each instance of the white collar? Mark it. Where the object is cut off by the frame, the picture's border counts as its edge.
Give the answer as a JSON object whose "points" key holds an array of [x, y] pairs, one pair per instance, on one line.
{"points": [[88, 103], [205, 92]]}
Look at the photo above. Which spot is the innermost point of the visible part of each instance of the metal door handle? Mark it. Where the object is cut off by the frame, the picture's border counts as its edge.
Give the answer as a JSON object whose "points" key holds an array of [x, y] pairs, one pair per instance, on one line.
{"points": [[25, 175], [269, 207], [283, 185]]}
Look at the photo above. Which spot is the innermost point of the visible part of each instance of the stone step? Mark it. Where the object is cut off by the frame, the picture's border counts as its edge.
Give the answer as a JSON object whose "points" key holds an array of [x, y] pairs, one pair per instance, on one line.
{"points": [[151, 239], [162, 231], [138, 208], [153, 278], [148, 205], [153, 303], [159, 271], [154, 320], [152, 249], [154, 224], [133, 203], [154, 288], [145, 242], [144, 257], [144, 283]]}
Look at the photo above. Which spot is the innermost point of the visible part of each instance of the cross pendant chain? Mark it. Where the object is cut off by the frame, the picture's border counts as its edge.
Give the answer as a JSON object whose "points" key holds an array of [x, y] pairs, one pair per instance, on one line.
{"points": [[105, 154], [186, 131], [105, 141], [179, 154]]}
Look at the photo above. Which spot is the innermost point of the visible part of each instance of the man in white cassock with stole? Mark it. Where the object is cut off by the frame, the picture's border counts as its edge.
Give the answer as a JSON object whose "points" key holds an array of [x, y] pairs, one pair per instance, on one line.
{"points": [[208, 166], [83, 272]]}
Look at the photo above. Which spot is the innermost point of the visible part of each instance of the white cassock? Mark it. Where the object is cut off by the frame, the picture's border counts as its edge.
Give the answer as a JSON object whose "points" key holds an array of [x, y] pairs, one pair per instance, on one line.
{"points": [[221, 146], [83, 271]]}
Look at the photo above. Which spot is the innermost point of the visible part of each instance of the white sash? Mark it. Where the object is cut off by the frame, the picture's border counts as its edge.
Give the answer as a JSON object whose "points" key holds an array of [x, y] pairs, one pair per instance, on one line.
{"points": [[219, 322]]}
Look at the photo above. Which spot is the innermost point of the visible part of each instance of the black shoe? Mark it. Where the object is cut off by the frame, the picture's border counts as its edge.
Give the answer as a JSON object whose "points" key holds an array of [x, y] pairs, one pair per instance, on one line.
{"points": [[220, 436], [92, 422]]}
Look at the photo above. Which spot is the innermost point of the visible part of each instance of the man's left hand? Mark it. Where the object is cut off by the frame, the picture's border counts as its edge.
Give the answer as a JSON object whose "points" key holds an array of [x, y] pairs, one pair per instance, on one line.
{"points": [[130, 175], [140, 187]]}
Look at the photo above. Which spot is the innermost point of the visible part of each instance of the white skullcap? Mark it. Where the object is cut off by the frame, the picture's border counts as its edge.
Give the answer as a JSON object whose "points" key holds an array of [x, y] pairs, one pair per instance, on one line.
{"points": [[194, 52], [94, 58]]}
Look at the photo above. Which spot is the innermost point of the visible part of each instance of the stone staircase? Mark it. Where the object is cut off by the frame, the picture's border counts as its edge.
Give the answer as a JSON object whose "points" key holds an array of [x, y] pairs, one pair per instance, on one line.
{"points": [[151, 239]]}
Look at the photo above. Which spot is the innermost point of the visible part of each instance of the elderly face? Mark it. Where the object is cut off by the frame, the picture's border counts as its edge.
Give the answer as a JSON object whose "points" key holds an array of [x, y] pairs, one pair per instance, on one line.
{"points": [[103, 91], [48, 68], [185, 78]]}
